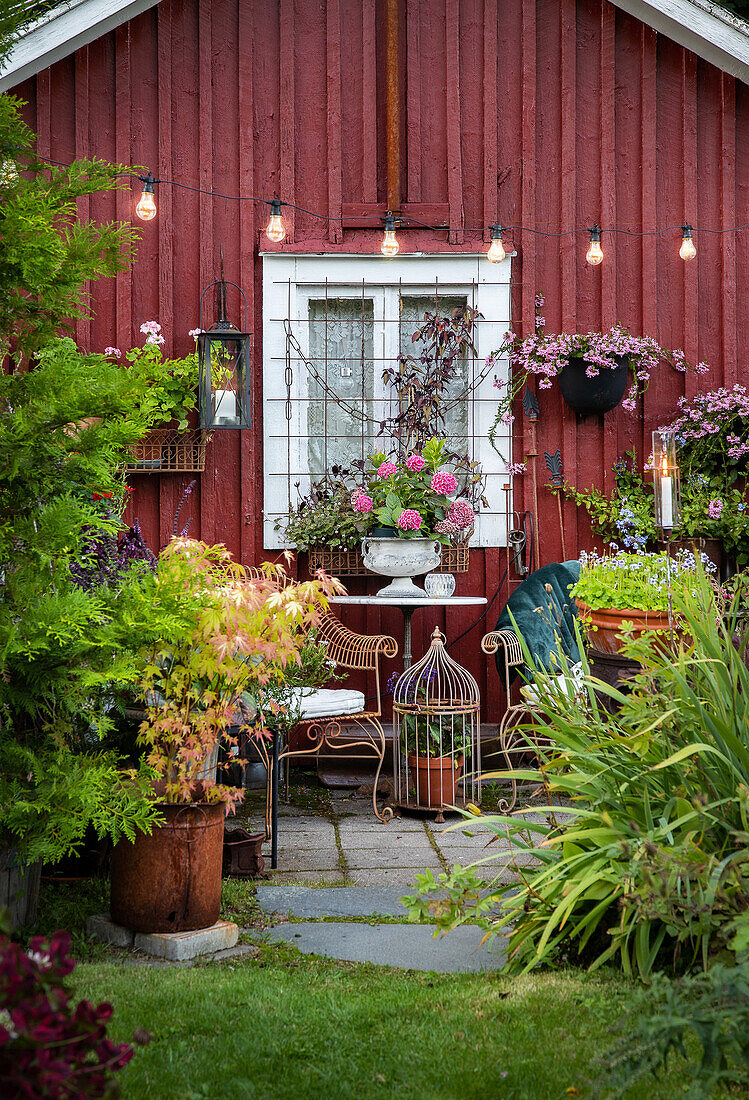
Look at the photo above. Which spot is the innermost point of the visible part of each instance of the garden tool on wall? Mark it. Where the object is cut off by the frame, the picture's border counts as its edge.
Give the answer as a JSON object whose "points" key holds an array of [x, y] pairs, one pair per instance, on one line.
{"points": [[530, 404], [554, 466]]}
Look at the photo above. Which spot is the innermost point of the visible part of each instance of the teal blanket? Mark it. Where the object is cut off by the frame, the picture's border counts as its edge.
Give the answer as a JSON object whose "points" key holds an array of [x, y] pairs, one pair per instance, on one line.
{"points": [[554, 624]]}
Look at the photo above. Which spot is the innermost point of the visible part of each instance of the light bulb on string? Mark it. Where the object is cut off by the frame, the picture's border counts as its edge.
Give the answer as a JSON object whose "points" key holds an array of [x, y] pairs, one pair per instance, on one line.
{"points": [[275, 230], [687, 250], [496, 252], [389, 246], [146, 207], [594, 255]]}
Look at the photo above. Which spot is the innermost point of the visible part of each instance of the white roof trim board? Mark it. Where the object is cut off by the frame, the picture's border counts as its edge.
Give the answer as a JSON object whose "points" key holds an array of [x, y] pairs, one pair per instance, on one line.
{"points": [[711, 32], [62, 31]]}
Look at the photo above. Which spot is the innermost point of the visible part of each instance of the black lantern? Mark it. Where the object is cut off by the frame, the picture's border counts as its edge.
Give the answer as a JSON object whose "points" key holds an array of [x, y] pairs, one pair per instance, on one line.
{"points": [[223, 366]]}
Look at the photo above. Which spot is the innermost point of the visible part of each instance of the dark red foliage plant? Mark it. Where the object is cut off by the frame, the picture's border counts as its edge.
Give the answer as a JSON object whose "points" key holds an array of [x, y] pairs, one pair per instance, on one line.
{"points": [[49, 1047]]}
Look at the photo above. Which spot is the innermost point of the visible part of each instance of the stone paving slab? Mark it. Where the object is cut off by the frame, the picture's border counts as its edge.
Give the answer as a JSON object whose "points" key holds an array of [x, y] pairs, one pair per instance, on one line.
{"points": [[397, 827], [409, 946], [354, 901], [362, 858], [321, 878], [291, 858], [402, 877], [391, 843]]}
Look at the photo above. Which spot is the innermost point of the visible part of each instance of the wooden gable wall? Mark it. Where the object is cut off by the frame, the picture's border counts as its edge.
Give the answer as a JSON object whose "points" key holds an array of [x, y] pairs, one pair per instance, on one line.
{"points": [[536, 112]]}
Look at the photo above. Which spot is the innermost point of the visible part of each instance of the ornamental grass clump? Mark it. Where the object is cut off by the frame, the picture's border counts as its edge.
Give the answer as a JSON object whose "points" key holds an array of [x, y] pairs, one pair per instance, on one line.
{"points": [[643, 859]]}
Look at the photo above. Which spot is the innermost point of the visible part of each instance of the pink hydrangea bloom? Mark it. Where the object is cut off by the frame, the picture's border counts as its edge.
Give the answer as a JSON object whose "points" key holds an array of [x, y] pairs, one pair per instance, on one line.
{"points": [[446, 527], [444, 483], [461, 514], [714, 509], [409, 520], [415, 462], [363, 503], [113, 351], [387, 469]]}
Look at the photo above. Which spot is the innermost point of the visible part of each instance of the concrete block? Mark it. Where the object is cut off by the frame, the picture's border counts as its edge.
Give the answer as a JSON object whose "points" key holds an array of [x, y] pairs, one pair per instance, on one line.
{"points": [[102, 928], [178, 946], [401, 855]]}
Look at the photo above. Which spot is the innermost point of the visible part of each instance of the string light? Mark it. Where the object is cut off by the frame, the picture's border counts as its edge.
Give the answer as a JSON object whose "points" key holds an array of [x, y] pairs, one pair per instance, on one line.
{"points": [[275, 230], [389, 246], [146, 207], [496, 252], [687, 250], [594, 255]]}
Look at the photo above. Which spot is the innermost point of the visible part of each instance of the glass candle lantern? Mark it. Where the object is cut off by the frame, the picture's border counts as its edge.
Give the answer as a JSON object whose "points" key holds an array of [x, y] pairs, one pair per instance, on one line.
{"points": [[223, 366], [666, 483]]}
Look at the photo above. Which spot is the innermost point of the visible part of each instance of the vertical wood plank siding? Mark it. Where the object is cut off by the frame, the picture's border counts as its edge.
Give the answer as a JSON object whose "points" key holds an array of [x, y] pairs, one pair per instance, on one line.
{"points": [[533, 112]]}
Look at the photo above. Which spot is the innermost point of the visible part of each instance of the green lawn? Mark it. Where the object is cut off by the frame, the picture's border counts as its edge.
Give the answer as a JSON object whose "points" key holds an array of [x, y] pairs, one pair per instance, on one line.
{"points": [[283, 1025]]}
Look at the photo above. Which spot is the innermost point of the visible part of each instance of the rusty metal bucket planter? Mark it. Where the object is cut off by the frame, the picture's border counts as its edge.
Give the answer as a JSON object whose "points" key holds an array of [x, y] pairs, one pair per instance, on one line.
{"points": [[170, 881]]}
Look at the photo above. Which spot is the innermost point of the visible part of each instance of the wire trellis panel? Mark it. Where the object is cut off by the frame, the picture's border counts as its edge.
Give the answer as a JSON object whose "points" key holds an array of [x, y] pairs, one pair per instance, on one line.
{"points": [[165, 451], [350, 563]]}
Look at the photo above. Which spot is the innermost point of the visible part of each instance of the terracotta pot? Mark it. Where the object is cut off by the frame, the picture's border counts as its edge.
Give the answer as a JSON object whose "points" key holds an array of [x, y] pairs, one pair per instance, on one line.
{"points": [[593, 395], [170, 881], [607, 626], [435, 779]]}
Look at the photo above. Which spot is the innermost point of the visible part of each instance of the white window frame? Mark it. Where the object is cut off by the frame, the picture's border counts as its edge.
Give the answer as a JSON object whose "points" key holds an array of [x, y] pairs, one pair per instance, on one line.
{"points": [[288, 282]]}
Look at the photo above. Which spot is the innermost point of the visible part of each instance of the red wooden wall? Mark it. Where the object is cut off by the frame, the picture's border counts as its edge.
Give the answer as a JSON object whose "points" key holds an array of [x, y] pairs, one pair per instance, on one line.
{"points": [[536, 112]]}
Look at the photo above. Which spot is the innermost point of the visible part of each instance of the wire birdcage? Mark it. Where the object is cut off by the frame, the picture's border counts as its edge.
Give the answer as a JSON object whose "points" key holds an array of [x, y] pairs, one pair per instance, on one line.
{"points": [[437, 752]]}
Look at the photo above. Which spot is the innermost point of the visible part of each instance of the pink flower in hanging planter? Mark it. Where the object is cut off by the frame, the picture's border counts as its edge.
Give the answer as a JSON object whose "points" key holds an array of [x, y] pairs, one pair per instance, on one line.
{"points": [[444, 483], [409, 520], [362, 503], [387, 469], [415, 462]]}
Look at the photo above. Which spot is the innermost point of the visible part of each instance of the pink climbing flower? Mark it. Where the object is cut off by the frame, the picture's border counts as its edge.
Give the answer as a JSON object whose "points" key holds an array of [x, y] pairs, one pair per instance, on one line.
{"points": [[461, 514], [113, 351], [714, 509], [443, 483], [409, 520], [387, 469], [363, 503], [415, 462]]}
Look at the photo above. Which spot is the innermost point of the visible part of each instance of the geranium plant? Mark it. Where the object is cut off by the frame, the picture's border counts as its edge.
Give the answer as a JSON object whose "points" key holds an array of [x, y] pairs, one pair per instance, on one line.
{"points": [[546, 355], [229, 635], [163, 389], [412, 498]]}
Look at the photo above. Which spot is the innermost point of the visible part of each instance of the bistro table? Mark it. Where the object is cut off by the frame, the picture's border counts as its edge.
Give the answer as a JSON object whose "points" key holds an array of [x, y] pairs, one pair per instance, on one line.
{"points": [[408, 604]]}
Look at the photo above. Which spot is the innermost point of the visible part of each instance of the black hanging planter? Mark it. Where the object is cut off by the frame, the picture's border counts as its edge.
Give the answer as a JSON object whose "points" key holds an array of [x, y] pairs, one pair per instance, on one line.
{"points": [[593, 395]]}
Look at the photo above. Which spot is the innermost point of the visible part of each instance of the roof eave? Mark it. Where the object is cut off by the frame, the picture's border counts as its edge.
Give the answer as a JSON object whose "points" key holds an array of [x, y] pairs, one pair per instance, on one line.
{"points": [[62, 31], [711, 32]]}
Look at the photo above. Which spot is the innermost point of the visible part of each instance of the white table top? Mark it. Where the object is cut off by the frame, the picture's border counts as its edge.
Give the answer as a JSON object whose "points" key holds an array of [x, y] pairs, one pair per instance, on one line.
{"points": [[411, 601]]}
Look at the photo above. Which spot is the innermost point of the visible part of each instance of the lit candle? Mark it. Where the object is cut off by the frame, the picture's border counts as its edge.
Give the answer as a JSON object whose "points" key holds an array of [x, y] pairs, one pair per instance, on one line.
{"points": [[667, 496]]}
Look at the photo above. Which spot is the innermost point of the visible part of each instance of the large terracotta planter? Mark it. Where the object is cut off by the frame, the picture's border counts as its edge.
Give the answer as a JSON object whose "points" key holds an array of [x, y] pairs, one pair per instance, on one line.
{"points": [[593, 395], [435, 779], [170, 880], [606, 626]]}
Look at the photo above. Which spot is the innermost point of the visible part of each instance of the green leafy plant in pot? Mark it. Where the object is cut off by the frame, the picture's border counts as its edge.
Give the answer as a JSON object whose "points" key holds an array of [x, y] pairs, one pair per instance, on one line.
{"points": [[225, 634]]}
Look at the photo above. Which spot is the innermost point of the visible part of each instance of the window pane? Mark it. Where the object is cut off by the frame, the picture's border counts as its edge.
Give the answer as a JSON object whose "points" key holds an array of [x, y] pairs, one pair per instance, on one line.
{"points": [[341, 340], [413, 309]]}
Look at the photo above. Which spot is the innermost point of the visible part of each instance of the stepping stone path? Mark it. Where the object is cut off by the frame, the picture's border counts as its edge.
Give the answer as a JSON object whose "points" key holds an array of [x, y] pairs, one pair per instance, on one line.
{"points": [[412, 946], [360, 869]]}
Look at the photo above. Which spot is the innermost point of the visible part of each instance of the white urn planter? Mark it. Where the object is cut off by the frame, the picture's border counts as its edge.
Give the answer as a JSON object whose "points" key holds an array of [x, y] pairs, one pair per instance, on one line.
{"points": [[401, 559]]}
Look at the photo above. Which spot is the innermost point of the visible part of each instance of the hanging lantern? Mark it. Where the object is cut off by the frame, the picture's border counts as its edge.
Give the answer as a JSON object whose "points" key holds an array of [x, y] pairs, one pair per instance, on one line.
{"points": [[666, 483], [223, 366]]}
